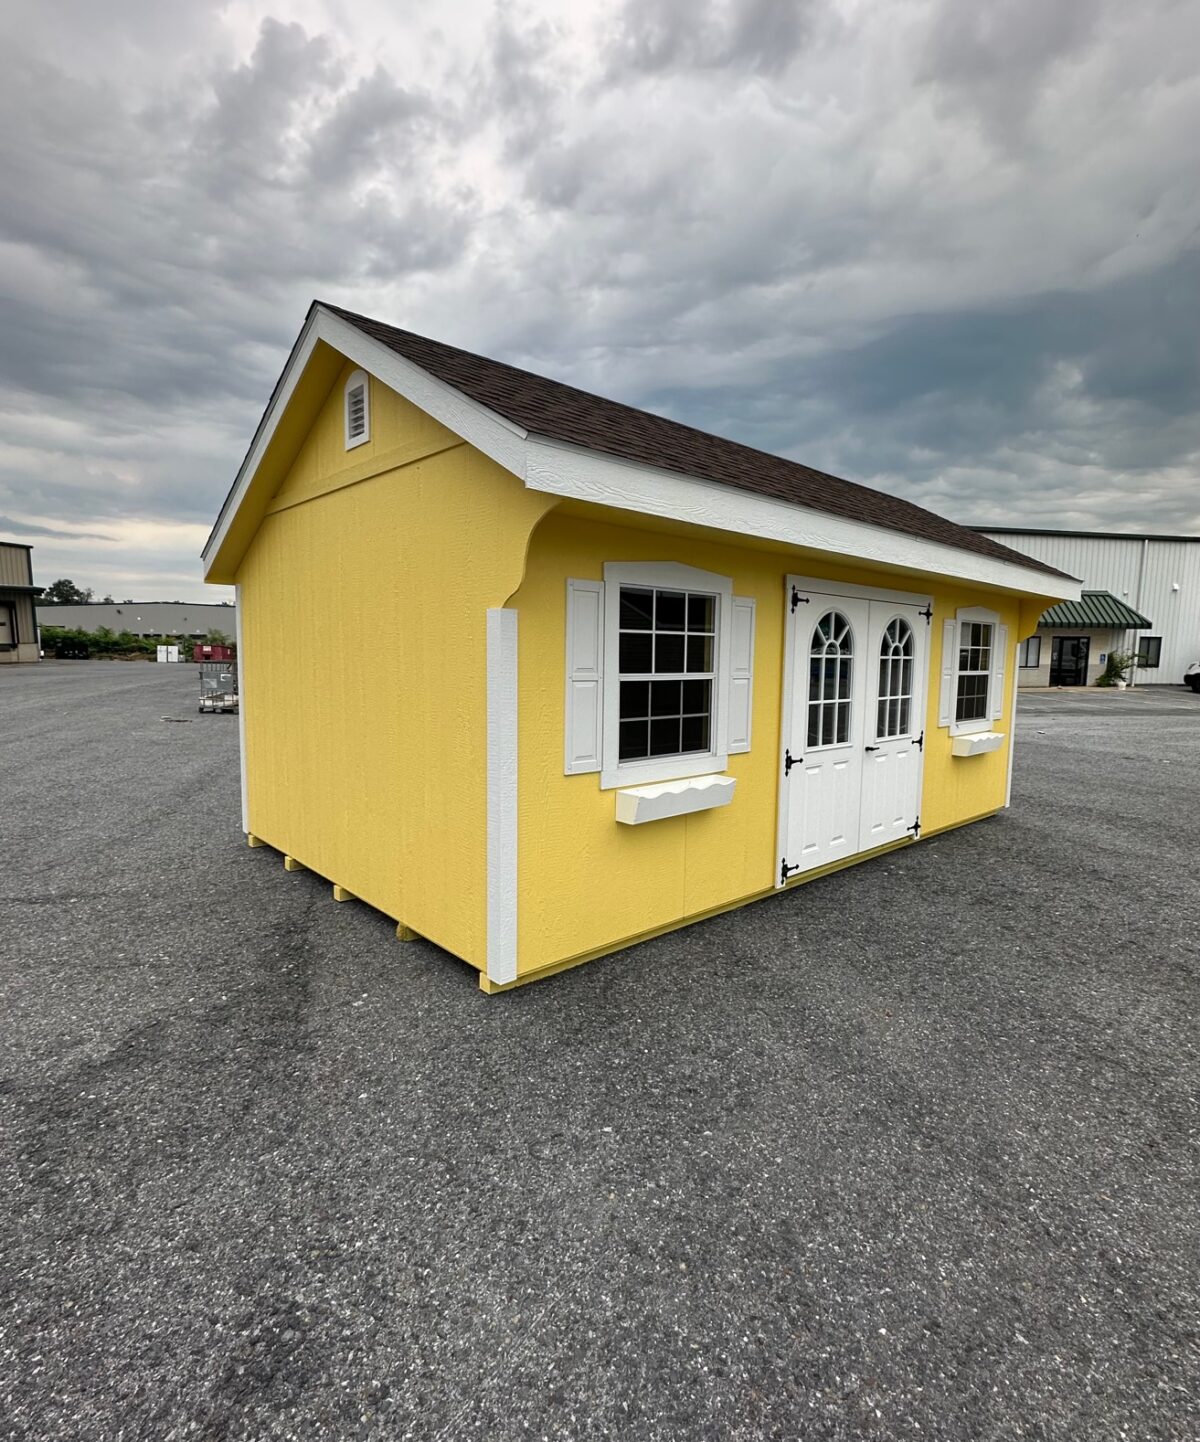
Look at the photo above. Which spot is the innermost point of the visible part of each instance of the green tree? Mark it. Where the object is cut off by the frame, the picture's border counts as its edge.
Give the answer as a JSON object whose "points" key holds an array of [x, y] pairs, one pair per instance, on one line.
{"points": [[65, 593]]}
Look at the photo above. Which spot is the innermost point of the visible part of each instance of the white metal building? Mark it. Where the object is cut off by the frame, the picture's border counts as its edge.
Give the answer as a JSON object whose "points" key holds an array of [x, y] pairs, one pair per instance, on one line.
{"points": [[1158, 576]]}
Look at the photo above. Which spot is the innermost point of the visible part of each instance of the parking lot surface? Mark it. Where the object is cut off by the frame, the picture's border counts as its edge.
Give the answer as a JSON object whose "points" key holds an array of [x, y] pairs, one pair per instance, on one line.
{"points": [[909, 1152]]}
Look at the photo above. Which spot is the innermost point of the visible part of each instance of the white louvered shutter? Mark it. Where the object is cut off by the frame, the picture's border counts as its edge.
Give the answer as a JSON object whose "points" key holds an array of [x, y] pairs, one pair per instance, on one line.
{"points": [[999, 667], [949, 666], [741, 674], [585, 675]]}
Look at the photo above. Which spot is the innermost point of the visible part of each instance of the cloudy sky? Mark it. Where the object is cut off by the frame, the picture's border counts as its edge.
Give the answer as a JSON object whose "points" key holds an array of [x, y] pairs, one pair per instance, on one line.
{"points": [[948, 248]]}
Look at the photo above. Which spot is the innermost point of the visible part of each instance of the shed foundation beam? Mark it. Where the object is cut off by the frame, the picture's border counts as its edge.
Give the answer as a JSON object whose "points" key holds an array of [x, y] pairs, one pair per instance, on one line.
{"points": [[252, 840], [341, 894], [291, 864], [405, 933]]}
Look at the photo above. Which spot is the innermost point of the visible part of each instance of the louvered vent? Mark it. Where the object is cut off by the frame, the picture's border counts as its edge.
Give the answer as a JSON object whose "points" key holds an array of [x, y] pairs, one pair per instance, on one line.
{"points": [[356, 413]]}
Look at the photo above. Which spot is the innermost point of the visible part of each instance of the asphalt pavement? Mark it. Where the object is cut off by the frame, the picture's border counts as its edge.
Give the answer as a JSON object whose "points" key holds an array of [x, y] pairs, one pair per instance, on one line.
{"points": [[909, 1152]]}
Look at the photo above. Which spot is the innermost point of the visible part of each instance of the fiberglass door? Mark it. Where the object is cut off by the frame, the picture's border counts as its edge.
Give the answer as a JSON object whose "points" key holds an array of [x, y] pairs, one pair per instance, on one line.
{"points": [[894, 723], [824, 730]]}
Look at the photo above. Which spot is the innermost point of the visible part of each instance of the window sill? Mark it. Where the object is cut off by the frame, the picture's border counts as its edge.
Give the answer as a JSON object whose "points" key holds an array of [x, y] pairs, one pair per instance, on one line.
{"points": [[977, 743], [639, 804]]}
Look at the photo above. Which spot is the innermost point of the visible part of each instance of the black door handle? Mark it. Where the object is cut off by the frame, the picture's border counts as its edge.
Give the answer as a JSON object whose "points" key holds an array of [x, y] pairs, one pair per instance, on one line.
{"points": [[870, 748]]}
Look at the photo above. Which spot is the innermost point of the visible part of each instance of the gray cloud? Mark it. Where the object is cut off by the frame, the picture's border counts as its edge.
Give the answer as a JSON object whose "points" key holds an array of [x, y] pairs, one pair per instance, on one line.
{"points": [[759, 36], [24, 528], [947, 249]]}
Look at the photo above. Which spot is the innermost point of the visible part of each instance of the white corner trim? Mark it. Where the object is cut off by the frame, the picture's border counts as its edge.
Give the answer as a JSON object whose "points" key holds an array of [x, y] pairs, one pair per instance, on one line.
{"points": [[1012, 727], [561, 469], [501, 795], [357, 377], [241, 681], [639, 804], [977, 743]]}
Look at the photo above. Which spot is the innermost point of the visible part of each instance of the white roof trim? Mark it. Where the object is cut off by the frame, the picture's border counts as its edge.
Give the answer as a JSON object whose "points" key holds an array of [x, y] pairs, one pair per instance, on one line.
{"points": [[585, 475], [560, 469]]}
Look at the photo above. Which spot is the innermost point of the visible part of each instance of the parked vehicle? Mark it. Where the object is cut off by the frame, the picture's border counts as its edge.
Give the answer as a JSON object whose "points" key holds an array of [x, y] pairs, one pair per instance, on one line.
{"points": [[1191, 677]]}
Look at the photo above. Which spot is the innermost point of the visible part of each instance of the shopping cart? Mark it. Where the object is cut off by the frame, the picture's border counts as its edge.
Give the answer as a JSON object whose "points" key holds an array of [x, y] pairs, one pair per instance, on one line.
{"points": [[218, 686]]}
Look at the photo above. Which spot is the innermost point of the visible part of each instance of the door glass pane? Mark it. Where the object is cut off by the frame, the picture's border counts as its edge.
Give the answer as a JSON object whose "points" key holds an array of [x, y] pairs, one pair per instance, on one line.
{"points": [[894, 712], [831, 669]]}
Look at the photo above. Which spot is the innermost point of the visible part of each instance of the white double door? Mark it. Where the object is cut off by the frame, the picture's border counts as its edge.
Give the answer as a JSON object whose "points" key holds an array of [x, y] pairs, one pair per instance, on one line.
{"points": [[855, 677]]}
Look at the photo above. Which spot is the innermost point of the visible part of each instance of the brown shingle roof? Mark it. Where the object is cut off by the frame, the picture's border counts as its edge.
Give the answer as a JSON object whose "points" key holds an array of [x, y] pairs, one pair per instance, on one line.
{"points": [[563, 413]]}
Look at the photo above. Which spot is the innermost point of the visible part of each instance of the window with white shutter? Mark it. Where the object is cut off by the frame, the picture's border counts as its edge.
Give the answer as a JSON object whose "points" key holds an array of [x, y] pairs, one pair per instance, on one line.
{"points": [[741, 674], [659, 673], [585, 675], [999, 666], [974, 655]]}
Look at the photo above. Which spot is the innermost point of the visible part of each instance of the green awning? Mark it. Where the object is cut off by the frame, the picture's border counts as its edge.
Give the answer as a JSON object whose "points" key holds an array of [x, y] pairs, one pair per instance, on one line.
{"points": [[1095, 610]]}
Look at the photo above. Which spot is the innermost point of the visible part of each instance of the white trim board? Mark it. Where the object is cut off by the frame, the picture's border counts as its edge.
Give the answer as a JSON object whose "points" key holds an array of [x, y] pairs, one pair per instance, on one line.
{"points": [[241, 681], [501, 795], [561, 469]]}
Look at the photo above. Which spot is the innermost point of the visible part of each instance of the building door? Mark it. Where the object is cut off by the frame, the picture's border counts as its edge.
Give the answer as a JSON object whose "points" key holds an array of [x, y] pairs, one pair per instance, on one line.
{"points": [[1069, 660], [895, 724], [854, 699], [8, 630]]}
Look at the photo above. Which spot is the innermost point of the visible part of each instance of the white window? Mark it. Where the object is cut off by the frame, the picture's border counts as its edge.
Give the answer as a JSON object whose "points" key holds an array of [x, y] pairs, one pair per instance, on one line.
{"points": [[357, 409], [974, 676], [974, 654], [1030, 653], [659, 673]]}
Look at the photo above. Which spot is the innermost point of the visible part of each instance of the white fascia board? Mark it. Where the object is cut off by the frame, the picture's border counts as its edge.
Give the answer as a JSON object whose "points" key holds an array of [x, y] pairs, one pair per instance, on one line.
{"points": [[584, 475], [488, 432]]}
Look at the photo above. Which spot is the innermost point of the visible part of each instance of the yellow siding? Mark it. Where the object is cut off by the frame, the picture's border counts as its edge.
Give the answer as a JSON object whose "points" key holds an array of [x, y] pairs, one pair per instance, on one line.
{"points": [[587, 883], [363, 598]]}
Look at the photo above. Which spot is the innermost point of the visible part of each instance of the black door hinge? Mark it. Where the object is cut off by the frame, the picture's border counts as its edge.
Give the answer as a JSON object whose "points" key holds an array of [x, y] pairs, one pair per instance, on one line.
{"points": [[915, 828], [785, 870], [927, 613], [919, 741], [797, 598], [789, 761]]}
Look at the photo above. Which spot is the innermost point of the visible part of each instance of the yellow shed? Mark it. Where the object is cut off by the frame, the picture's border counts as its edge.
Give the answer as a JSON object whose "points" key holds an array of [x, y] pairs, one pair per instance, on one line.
{"points": [[539, 675]]}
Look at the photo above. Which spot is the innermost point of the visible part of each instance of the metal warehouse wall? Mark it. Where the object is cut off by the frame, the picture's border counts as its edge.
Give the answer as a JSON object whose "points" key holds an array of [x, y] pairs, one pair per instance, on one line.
{"points": [[1142, 570], [145, 618]]}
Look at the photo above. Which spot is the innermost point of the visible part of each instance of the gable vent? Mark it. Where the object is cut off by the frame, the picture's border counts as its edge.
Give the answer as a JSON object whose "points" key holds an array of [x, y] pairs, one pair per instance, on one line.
{"points": [[358, 419], [358, 412]]}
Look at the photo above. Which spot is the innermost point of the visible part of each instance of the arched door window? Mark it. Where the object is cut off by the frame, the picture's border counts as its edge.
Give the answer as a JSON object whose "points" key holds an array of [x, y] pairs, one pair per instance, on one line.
{"points": [[831, 659], [894, 715]]}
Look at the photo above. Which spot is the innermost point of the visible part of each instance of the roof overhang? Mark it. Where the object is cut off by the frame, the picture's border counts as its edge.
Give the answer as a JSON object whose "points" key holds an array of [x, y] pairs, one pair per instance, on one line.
{"points": [[574, 472]]}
